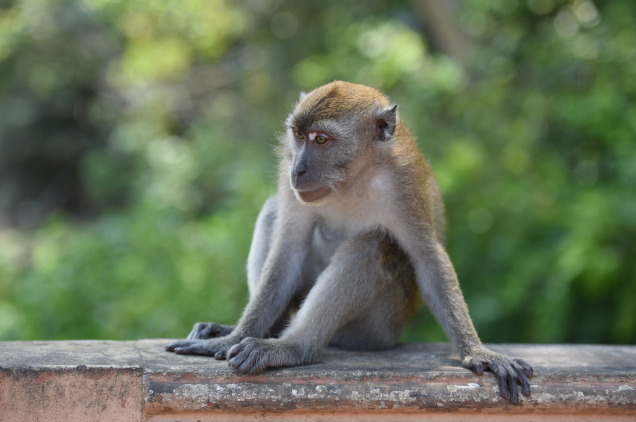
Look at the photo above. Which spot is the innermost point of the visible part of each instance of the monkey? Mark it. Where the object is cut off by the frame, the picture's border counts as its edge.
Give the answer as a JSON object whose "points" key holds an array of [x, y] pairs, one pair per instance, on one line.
{"points": [[349, 248]]}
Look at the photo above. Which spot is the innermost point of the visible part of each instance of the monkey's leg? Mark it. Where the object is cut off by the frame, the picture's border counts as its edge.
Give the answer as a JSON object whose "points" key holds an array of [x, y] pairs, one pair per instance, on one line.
{"points": [[382, 326], [347, 290]]}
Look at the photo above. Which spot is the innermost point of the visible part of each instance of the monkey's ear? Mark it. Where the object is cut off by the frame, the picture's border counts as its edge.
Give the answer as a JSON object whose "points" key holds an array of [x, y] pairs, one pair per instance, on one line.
{"points": [[303, 94], [386, 122]]}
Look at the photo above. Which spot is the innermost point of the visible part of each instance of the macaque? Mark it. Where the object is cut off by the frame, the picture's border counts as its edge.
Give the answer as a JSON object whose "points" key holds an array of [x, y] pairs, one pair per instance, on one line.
{"points": [[350, 246]]}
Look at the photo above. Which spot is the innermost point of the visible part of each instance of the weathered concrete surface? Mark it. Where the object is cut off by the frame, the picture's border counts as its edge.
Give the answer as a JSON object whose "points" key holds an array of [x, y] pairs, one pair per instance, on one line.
{"points": [[412, 378], [70, 381], [385, 417], [133, 381]]}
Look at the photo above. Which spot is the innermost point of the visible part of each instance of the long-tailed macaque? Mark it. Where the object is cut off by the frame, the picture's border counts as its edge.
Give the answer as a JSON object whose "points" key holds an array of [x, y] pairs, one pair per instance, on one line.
{"points": [[349, 247]]}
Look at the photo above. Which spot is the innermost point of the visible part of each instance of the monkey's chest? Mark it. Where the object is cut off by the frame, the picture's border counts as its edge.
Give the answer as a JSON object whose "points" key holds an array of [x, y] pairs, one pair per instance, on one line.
{"points": [[323, 245], [325, 240]]}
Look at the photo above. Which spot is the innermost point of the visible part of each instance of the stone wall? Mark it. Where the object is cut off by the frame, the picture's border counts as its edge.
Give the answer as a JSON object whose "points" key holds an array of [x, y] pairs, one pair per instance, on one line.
{"points": [[139, 381]]}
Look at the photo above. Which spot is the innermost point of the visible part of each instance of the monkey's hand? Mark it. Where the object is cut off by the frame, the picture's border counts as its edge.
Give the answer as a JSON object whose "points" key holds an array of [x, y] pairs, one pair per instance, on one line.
{"points": [[253, 355], [510, 372], [206, 330], [216, 347]]}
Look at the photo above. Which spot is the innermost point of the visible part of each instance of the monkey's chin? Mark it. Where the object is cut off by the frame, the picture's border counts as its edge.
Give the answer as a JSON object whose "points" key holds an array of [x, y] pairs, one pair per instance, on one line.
{"points": [[313, 195]]}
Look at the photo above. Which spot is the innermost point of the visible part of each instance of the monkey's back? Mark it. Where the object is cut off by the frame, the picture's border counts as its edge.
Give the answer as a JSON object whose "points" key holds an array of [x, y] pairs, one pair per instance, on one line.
{"points": [[420, 190]]}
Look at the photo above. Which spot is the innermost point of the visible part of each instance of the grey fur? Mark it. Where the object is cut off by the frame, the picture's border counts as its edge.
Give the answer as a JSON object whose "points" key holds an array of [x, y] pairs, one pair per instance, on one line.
{"points": [[350, 268]]}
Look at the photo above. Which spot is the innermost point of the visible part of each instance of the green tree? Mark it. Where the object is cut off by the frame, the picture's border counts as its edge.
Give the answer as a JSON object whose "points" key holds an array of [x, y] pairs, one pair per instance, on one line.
{"points": [[136, 151]]}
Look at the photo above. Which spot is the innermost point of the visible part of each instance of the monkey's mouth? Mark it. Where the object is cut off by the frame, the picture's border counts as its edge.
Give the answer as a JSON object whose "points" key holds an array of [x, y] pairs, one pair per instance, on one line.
{"points": [[313, 195]]}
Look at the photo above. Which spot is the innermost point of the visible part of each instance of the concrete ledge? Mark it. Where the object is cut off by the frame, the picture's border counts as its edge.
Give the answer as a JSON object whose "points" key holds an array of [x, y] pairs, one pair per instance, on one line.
{"points": [[70, 381], [135, 381]]}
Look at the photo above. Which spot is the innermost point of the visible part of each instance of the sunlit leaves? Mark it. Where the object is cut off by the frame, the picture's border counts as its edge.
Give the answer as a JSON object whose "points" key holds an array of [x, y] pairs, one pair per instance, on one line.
{"points": [[168, 111], [164, 59]]}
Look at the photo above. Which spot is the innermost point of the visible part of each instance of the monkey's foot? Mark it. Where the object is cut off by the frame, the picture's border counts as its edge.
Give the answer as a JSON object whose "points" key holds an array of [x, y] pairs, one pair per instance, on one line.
{"points": [[510, 372], [253, 355], [216, 347], [206, 330]]}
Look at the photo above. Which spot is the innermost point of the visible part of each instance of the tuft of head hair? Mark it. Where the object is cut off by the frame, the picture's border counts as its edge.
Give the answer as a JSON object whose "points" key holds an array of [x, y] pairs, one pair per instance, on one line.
{"points": [[335, 100]]}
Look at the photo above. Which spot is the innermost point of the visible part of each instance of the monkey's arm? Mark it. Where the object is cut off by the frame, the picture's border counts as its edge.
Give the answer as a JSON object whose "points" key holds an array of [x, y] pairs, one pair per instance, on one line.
{"points": [[438, 284], [278, 284]]}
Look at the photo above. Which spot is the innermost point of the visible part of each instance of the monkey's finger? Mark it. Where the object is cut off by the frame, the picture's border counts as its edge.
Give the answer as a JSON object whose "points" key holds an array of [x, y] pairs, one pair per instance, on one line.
{"points": [[235, 362], [220, 355], [184, 350], [478, 368], [193, 350], [523, 381], [170, 347], [195, 334], [257, 367], [212, 330], [234, 350], [196, 328], [512, 383], [247, 364], [527, 369], [254, 363], [238, 360], [503, 385]]}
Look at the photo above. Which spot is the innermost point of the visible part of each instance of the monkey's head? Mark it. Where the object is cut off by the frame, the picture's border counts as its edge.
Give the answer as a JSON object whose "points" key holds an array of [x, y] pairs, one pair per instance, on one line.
{"points": [[327, 134]]}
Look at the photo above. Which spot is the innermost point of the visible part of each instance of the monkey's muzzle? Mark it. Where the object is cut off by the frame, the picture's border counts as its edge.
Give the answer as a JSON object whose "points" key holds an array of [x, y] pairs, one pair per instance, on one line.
{"points": [[313, 195]]}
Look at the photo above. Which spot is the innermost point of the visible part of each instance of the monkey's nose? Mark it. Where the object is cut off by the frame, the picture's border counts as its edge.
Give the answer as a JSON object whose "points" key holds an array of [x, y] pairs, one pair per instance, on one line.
{"points": [[300, 170], [300, 174]]}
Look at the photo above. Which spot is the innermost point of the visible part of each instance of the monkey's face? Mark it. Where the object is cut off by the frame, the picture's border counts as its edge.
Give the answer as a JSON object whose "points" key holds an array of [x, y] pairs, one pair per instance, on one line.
{"points": [[321, 155], [329, 132]]}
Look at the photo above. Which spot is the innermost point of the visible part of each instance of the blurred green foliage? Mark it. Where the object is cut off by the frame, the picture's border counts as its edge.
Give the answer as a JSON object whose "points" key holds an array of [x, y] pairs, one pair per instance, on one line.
{"points": [[135, 154]]}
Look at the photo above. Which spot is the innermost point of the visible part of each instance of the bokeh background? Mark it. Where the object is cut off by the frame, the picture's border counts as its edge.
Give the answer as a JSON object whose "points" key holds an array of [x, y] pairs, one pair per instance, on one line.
{"points": [[136, 151]]}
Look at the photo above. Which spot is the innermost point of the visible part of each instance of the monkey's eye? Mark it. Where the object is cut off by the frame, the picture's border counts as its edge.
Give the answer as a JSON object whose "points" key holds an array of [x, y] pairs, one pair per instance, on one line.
{"points": [[299, 135], [320, 139]]}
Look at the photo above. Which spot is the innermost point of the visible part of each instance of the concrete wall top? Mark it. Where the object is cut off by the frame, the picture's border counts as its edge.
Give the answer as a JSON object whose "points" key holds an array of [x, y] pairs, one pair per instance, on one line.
{"points": [[138, 380]]}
